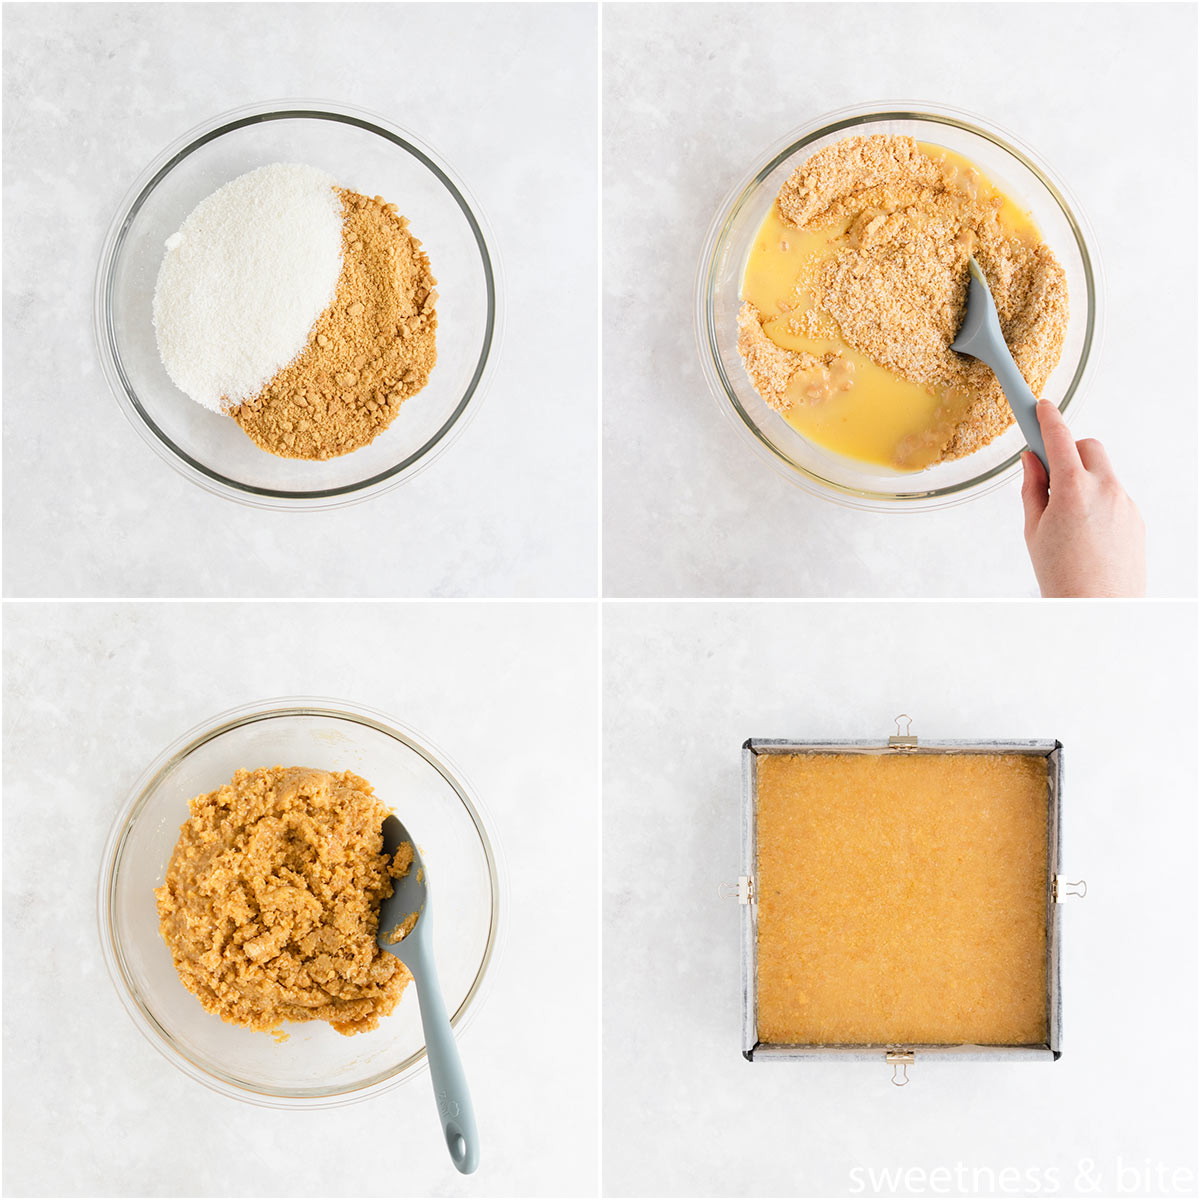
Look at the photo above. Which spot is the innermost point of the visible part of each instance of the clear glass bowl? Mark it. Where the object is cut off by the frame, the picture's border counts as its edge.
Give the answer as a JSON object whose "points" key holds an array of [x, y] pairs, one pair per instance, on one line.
{"points": [[1016, 170], [314, 1067], [361, 151]]}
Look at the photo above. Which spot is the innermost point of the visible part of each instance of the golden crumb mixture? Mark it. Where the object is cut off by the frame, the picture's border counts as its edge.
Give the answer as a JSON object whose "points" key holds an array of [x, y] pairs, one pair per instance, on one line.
{"points": [[271, 902], [400, 931], [369, 351], [902, 899], [857, 285]]}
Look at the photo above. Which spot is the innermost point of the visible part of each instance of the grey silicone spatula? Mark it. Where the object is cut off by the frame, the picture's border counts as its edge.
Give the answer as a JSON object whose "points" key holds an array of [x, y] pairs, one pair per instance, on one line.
{"points": [[415, 951], [980, 337]]}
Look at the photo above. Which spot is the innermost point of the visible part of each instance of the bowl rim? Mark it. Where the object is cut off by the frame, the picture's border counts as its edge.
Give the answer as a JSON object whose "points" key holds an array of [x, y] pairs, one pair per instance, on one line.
{"points": [[135, 801], [126, 395], [848, 118]]}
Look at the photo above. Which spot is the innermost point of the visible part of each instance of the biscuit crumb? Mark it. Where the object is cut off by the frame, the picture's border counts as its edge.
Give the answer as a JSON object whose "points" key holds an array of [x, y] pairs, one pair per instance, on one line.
{"points": [[374, 347], [399, 932]]}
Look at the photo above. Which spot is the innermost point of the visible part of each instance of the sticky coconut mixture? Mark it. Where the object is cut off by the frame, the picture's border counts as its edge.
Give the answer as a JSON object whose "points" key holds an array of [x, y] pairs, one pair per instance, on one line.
{"points": [[270, 906], [892, 223]]}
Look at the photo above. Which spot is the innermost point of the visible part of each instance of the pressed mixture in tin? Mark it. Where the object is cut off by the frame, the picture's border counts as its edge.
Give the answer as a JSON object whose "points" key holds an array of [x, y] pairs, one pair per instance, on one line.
{"points": [[302, 309], [902, 899], [271, 902], [857, 284]]}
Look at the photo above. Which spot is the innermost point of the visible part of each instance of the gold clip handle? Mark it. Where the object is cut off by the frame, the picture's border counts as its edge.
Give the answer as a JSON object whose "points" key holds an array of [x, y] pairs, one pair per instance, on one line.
{"points": [[742, 891], [905, 740], [900, 1060], [1065, 889]]}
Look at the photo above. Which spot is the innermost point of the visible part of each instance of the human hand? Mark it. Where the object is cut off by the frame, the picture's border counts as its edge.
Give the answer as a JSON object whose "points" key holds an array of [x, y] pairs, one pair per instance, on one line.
{"points": [[1085, 535]]}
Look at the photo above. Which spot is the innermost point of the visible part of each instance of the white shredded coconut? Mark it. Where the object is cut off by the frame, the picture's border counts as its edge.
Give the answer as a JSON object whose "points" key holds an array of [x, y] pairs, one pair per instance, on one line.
{"points": [[244, 280]]}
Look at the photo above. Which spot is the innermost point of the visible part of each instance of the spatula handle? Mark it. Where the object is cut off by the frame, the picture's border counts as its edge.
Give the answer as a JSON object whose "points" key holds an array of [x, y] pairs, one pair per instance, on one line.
{"points": [[450, 1090], [1024, 405]]}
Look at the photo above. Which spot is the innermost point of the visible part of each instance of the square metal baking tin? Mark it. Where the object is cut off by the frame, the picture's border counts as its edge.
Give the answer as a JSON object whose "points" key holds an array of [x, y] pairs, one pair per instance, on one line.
{"points": [[755, 1050]]}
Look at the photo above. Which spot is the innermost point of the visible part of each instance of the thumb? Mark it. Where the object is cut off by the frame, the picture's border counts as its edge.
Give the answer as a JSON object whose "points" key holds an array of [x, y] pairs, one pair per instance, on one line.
{"points": [[1035, 490], [1062, 455]]}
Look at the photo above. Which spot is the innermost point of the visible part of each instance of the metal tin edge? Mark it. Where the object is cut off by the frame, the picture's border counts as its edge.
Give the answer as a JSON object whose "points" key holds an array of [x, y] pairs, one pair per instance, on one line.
{"points": [[964, 1053], [1053, 916], [755, 1051], [1012, 745], [748, 928]]}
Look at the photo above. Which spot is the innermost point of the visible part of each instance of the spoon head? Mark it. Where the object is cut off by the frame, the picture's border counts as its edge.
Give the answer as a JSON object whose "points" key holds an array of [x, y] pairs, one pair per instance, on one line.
{"points": [[404, 911], [980, 330]]}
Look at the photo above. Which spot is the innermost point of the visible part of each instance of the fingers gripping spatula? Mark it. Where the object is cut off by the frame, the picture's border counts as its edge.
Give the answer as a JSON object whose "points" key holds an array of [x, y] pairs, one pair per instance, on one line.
{"points": [[415, 950], [981, 338]]}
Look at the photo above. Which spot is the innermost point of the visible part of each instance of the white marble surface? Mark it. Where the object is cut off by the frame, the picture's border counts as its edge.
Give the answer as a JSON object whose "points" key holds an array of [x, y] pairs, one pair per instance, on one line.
{"points": [[685, 685], [506, 93], [1106, 93], [94, 692]]}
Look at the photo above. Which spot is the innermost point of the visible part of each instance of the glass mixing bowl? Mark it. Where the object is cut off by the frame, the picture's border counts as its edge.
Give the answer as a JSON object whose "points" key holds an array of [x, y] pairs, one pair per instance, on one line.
{"points": [[1017, 171], [367, 154], [314, 1067]]}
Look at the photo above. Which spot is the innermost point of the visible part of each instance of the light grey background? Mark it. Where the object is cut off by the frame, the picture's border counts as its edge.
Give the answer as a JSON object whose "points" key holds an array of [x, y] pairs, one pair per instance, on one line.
{"points": [[505, 92], [1106, 93], [686, 684], [94, 692]]}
